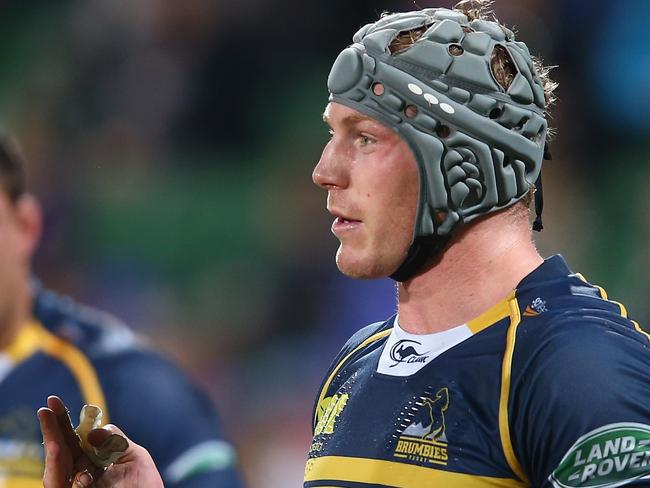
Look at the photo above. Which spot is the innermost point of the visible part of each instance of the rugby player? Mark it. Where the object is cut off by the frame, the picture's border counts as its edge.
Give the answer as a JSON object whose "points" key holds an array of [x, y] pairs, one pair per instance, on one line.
{"points": [[500, 368], [50, 344]]}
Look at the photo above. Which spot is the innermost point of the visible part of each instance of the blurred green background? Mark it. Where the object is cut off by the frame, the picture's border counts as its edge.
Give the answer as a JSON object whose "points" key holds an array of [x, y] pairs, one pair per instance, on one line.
{"points": [[172, 144]]}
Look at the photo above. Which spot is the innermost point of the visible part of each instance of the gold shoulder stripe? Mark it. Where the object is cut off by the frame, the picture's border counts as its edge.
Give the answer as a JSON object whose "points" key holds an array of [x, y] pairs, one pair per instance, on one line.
{"points": [[395, 474], [506, 372], [26, 342], [81, 368], [604, 296], [639, 329], [498, 312], [336, 369], [623, 310]]}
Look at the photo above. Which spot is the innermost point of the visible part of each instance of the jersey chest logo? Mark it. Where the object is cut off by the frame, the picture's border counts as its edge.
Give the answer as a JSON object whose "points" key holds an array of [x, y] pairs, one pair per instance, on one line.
{"points": [[328, 413], [330, 409], [404, 351], [424, 438]]}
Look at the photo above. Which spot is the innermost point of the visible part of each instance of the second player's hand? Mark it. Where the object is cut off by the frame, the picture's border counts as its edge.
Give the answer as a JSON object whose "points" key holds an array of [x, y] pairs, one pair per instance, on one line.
{"points": [[67, 466]]}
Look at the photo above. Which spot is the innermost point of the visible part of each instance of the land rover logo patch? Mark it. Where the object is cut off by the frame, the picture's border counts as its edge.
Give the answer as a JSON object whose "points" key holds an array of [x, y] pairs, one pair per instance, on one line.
{"points": [[609, 456]]}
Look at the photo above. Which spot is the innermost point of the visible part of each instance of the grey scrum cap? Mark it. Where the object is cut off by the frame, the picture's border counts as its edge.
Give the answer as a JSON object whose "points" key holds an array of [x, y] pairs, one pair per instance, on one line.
{"points": [[478, 146]]}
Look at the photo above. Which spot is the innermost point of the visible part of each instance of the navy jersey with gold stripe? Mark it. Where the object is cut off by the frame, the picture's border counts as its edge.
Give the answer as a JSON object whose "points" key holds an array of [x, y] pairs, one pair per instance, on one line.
{"points": [[85, 356], [548, 388]]}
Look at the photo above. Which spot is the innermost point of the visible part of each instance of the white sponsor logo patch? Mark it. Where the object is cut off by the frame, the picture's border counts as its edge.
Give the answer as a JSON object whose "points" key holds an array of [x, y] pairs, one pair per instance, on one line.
{"points": [[610, 456], [405, 354]]}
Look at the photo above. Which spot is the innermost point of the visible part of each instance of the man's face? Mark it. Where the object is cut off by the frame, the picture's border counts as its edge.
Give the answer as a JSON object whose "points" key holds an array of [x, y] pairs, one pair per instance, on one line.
{"points": [[17, 240], [372, 185]]}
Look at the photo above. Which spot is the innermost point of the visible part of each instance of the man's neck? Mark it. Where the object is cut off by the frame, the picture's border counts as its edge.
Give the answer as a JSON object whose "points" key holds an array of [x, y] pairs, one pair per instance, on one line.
{"points": [[15, 317], [477, 271]]}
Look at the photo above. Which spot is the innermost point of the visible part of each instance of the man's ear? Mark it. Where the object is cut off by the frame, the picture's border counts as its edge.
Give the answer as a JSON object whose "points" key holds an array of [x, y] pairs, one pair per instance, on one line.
{"points": [[30, 220]]}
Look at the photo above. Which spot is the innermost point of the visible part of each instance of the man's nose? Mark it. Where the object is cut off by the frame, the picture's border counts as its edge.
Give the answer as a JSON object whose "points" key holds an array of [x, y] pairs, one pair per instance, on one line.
{"points": [[330, 170]]}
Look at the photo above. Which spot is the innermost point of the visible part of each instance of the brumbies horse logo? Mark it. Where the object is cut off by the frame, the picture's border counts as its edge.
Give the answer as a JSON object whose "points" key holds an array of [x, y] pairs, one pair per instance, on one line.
{"points": [[424, 440], [429, 422]]}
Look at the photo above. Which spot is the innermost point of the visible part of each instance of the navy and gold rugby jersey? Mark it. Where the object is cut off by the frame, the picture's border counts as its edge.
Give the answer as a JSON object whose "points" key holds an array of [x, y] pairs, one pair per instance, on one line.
{"points": [[550, 387], [85, 356]]}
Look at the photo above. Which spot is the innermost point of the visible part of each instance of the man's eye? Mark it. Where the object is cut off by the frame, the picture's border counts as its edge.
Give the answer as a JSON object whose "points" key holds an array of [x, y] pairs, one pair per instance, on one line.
{"points": [[364, 140]]}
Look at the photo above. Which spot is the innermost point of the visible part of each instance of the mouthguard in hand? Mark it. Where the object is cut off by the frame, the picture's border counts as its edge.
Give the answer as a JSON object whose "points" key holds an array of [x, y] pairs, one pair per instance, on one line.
{"points": [[110, 450]]}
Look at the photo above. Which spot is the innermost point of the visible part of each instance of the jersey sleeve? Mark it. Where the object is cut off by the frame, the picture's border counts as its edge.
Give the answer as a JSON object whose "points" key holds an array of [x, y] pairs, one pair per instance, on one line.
{"points": [[580, 405], [159, 408]]}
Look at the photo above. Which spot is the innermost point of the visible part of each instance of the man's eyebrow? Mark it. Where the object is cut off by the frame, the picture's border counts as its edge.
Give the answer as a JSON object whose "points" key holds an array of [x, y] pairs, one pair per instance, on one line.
{"points": [[350, 119]]}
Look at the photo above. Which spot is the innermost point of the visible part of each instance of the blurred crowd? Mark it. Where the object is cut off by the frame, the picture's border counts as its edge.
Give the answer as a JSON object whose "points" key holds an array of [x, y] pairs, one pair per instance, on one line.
{"points": [[172, 144]]}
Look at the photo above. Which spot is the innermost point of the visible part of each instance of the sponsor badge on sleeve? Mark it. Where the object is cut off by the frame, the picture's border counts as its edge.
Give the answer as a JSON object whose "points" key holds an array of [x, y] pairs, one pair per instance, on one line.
{"points": [[610, 456]]}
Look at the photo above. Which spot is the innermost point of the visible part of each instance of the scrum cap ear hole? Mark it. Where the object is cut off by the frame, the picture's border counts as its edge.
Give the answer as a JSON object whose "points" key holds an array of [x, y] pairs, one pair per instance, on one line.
{"points": [[456, 49], [378, 89], [495, 113], [443, 131], [440, 216], [410, 111]]}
